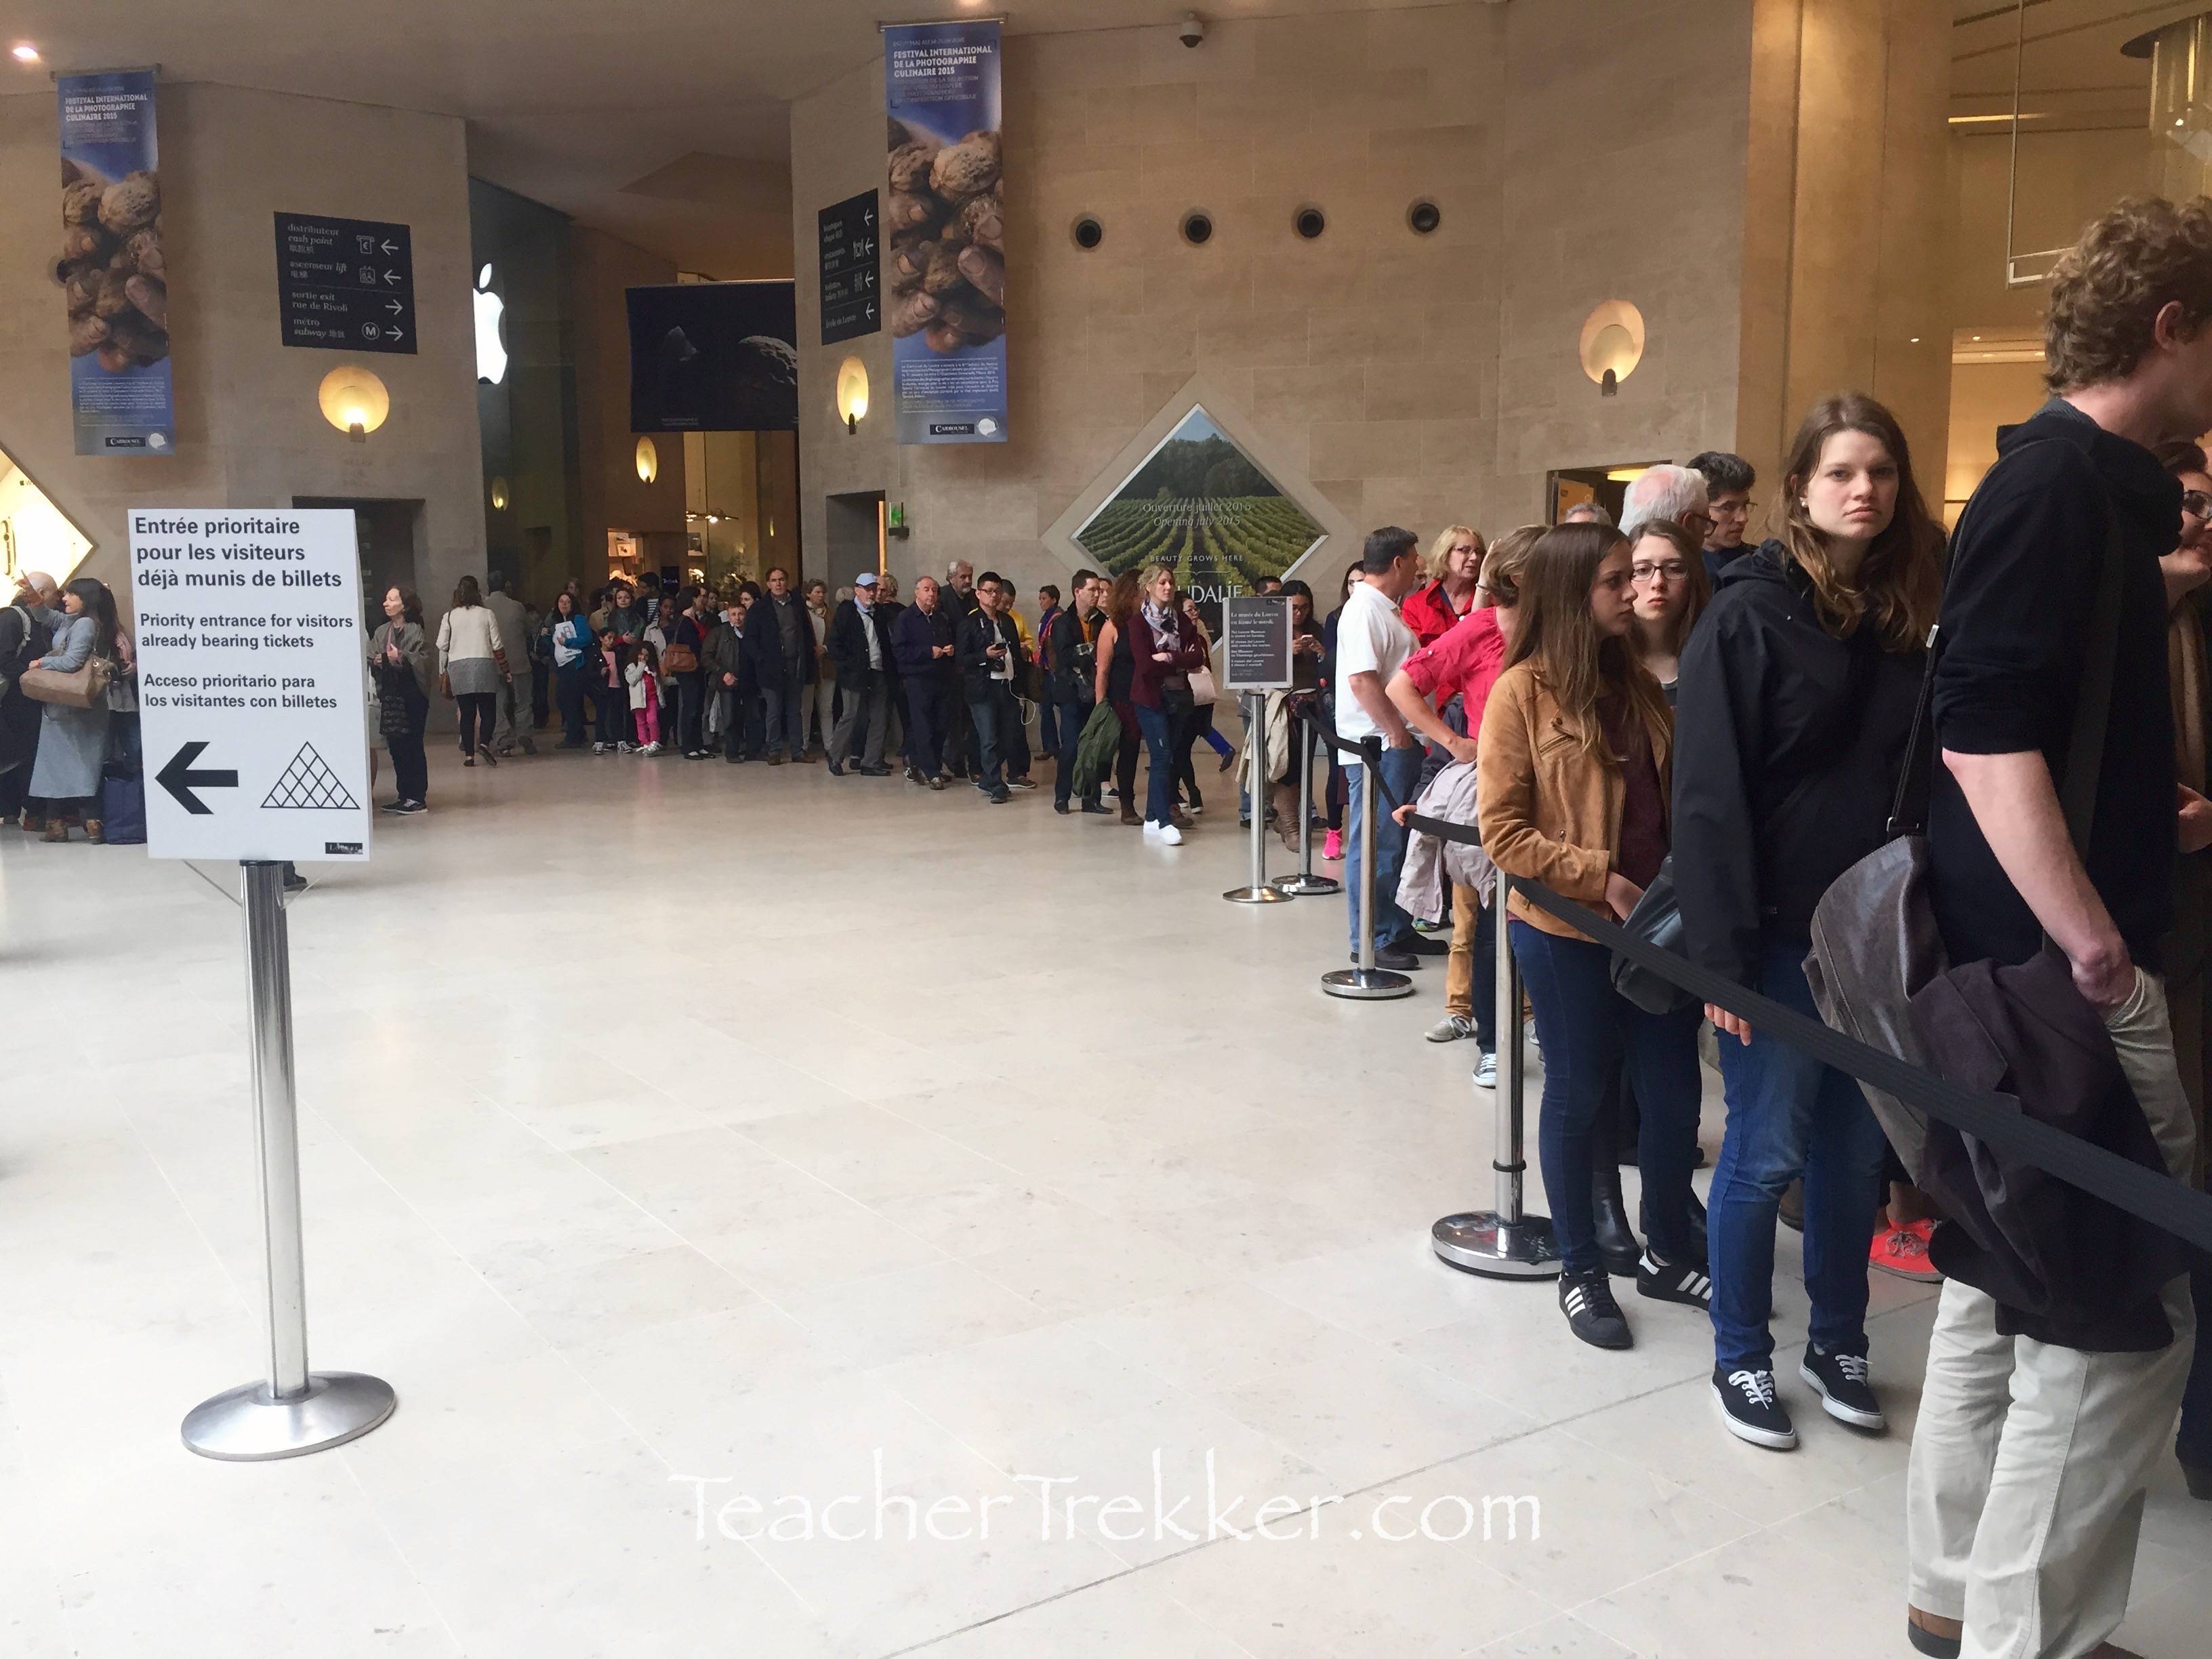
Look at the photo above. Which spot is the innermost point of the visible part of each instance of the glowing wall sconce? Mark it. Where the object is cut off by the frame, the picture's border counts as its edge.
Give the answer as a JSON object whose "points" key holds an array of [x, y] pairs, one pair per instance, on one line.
{"points": [[353, 401], [648, 459], [1612, 345], [852, 393], [499, 494]]}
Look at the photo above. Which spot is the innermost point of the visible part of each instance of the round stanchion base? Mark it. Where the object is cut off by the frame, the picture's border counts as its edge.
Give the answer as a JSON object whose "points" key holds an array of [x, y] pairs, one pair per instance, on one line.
{"points": [[1478, 1242], [1255, 895], [1308, 886], [1366, 984], [249, 1424]]}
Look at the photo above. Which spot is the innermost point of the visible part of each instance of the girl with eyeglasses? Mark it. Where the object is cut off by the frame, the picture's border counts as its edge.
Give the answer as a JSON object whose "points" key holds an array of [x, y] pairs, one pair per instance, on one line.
{"points": [[1668, 570]]}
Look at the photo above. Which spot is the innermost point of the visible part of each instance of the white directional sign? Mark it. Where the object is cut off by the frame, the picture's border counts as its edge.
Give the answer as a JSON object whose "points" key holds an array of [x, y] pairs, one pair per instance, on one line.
{"points": [[250, 674]]}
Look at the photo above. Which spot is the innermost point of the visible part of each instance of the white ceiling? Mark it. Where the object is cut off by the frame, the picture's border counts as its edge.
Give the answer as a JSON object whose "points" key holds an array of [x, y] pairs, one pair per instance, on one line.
{"points": [[664, 121]]}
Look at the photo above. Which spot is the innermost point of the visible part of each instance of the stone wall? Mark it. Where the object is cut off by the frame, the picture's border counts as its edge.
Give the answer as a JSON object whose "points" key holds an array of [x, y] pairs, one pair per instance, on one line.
{"points": [[248, 430], [1390, 377]]}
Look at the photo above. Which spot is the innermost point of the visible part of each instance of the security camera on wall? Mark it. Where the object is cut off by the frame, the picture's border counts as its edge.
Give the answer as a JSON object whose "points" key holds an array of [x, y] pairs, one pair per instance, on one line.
{"points": [[1192, 30]]}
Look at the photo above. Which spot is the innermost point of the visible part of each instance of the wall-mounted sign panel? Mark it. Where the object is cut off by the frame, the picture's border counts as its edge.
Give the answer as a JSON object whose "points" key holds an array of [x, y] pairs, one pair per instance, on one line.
{"points": [[852, 268], [345, 285]]}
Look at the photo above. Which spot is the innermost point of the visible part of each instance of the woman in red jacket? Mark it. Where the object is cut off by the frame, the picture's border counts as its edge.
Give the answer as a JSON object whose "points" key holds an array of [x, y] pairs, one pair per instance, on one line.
{"points": [[1455, 571], [1163, 648]]}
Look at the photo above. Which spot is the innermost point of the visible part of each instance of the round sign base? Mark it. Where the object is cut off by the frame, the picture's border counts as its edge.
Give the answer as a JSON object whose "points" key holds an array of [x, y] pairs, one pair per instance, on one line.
{"points": [[1308, 886], [249, 1424], [1479, 1242], [1366, 984], [1254, 895]]}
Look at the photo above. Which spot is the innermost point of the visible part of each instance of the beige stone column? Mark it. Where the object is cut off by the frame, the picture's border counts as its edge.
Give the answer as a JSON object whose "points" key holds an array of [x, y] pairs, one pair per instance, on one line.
{"points": [[1846, 283]]}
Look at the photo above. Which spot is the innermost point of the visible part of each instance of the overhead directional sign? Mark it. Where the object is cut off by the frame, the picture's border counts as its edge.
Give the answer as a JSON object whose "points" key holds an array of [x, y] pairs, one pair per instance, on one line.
{"points": [[345, 285], [851, 268], [251, 664]]}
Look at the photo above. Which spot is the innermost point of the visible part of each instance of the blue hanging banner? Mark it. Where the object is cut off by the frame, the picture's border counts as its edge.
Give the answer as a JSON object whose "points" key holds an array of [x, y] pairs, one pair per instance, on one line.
{"points": [[944, 222], [115, 275]]}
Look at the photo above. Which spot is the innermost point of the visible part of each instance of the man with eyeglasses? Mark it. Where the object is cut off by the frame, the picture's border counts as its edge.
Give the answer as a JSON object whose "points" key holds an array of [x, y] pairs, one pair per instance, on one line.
{"points": [[1729, 479]]}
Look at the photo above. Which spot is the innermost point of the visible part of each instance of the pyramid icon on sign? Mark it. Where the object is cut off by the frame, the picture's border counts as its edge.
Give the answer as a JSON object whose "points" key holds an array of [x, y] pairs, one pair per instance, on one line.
{"points": [[309, 781]]}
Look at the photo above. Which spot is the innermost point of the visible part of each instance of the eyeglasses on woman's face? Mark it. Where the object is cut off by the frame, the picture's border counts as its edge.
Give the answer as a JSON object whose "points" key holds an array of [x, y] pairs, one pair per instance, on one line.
{"points": [[1670, 571], [2196, 504]]}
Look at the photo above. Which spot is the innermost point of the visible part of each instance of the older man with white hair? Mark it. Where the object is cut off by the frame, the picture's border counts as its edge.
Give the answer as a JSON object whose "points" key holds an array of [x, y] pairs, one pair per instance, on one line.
{"points": [[1667, 491]]}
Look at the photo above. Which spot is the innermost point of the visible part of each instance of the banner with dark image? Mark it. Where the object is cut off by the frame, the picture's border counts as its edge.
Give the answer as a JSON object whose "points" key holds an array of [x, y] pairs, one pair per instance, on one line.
{"points": [[944, 218], [713, 357], [113, 273]]}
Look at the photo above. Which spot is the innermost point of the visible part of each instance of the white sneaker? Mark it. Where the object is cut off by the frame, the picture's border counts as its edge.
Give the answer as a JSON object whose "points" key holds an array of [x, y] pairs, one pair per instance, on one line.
{"points": [[1451, 1028], [1486, 1072], [650, 749], [600, 748], [1166, 834]]}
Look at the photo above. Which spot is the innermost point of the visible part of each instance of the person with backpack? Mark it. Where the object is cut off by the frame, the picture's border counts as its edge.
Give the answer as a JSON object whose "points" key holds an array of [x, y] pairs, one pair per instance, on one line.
{"points": [[1793, 710], [2040, 1426], [25, 631]]}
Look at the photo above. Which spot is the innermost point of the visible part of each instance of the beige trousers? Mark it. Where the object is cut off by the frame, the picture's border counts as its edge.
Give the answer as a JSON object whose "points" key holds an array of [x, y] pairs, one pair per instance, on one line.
{"points": [[2030, 1460], [1459, 966]]}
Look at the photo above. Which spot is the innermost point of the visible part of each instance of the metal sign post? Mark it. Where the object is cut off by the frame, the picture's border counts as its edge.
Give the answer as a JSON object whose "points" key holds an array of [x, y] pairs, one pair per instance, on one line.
{"points": [[1257, 891], [1367, 982], [1305, 884], [295, 1410], [1506, 1243]]}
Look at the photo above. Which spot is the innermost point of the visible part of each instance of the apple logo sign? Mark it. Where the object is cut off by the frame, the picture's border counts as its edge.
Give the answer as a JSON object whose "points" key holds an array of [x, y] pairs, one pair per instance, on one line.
{"points": [[491, 351]]}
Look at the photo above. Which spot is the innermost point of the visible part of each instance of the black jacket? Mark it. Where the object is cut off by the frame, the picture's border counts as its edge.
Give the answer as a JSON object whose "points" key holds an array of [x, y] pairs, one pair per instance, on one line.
{"points": [[2016, 628], [847, 642], [976, 636], [1071, 662], [1788, 741], [913, 639], [765, 640], [725, 653]]}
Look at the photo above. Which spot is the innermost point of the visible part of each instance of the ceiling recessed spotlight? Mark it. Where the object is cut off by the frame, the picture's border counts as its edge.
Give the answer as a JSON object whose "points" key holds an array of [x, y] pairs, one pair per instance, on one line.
{"points": [[1977, 336], [25, 53], [1915, 340]]}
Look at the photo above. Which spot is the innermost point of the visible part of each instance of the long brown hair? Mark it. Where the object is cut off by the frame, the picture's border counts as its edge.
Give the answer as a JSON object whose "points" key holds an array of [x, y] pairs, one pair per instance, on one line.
{"points": [[1121, 598], [1897, 584], [1580, 665], [1701, 585], [1507, 558]]}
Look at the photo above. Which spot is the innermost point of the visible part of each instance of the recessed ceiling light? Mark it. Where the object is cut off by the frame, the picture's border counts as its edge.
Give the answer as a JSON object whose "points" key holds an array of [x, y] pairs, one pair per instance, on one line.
{"points": [[1915, 340], [1977, 336], [26, 54]]}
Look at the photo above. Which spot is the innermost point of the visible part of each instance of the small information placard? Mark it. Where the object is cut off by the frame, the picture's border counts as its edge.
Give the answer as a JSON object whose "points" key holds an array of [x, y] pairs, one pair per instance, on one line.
{"points": [[250, 666], [1255, 643], [345, 285], [852, 266]]}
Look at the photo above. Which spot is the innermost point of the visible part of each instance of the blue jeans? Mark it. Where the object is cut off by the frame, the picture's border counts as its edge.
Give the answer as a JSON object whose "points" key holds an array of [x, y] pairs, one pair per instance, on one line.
{"points": [[1588, 1030], [1400, 773], [1789, 1115], [786, 704], [1158, 728]]}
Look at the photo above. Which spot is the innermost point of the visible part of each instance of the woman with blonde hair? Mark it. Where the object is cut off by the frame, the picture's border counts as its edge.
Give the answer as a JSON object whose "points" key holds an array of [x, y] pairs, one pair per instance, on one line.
{"points": [[1572, 793], [1668, 566], [1795, 705], [1454, 566]]}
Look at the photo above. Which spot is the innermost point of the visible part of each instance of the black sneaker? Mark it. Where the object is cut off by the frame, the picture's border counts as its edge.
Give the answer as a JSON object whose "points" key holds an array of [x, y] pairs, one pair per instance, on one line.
{"points": [[1423, 947], [1592, 1314], [1094, 807], [1000, 796], [835, 769], [1685, 1282], [1062, 808], [937, 783], [1398, 961], [1752, 1411], [1840, 1379]]}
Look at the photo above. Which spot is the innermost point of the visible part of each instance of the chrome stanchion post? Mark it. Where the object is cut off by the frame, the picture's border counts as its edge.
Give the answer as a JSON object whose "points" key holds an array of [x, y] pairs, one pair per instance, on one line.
{"points": [[1507, 1242], [1366, 981], [1305, 883], [1257, 891], [295, 1410]]}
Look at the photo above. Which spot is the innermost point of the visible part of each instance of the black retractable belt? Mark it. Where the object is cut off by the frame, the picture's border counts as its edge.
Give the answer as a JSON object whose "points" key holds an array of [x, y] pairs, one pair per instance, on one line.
{"points": [[1990, 1118]]}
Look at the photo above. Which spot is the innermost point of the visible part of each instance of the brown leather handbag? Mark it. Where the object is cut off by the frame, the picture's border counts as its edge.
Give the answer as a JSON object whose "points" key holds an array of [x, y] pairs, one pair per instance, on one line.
{"points": [[82, 688]]}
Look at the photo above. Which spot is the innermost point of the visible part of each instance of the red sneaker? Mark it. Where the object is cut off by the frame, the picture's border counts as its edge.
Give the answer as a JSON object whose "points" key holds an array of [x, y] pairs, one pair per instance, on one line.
{"points": [[1902, 1251], [1332, 848]]}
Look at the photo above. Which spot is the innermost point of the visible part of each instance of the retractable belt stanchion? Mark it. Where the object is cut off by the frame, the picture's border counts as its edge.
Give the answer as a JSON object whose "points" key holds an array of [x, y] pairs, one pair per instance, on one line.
{"points": [[1505, 1242], [1257, 891], [296, 1410], [1305, 884], [1366, 981]]}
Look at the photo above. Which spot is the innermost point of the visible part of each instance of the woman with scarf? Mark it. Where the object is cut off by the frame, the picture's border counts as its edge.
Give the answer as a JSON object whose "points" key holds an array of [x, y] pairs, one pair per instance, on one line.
{"points": [[399, 659], [1163, 648]]}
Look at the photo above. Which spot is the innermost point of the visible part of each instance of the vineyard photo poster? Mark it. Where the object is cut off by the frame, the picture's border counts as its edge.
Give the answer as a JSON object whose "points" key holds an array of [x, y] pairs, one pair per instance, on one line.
{"points": [[944, 218], [1202, 507]]}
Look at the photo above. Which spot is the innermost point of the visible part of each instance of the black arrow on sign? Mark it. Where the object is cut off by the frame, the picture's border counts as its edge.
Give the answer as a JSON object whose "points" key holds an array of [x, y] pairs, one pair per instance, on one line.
{"points": [[180, 780]]}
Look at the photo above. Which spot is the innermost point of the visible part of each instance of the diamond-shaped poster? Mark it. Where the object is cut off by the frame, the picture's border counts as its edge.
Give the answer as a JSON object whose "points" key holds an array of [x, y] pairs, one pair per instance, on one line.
{"points": [[308, 783], [1200, 506]]}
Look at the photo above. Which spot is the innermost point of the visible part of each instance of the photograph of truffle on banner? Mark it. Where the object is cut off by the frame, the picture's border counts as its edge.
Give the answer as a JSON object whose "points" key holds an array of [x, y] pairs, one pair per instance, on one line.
{"points": [[944, 226], [111, 267]]}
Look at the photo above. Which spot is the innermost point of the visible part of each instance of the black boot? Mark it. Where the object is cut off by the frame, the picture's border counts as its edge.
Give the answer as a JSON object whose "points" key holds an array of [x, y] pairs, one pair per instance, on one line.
{"points": [[1616, 1243], [1698, 1251]]}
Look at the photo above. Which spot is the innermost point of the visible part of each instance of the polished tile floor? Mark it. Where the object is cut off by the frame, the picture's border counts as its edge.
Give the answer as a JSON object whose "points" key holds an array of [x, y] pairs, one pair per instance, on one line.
{"points": [[806, 1217]]}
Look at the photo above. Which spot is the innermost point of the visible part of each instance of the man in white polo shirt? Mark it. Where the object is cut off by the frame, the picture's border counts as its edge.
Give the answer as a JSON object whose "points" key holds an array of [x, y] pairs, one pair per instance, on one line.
{"points": [[1371, 641]]}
